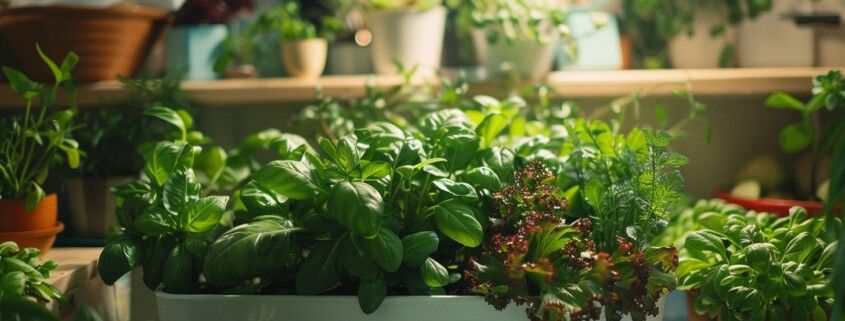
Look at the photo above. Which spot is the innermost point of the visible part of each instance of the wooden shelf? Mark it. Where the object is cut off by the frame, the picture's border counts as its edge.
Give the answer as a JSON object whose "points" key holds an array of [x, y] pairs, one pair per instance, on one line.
{"points": [[566, 84], [77, 266]]}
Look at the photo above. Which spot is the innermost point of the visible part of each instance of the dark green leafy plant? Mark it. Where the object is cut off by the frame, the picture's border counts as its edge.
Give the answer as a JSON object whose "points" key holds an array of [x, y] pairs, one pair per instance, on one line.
{"points": [[513, 20], [239, 49], [32, 145], [753, 269], [114, 133], [291, 24], [23, 284], [166, 223]]}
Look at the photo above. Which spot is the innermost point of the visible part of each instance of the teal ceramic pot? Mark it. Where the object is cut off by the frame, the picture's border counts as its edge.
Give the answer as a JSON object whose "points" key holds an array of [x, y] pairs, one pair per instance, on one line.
{"points": [[193, 49], [597, 39]]}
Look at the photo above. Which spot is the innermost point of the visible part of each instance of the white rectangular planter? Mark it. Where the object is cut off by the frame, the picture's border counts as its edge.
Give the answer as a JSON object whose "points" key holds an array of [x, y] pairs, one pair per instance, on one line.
{"points": [[175, 307]]}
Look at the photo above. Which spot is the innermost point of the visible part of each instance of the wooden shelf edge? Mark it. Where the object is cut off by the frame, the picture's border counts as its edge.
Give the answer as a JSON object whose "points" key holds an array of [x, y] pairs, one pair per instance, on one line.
{"points": [[566, 84]]}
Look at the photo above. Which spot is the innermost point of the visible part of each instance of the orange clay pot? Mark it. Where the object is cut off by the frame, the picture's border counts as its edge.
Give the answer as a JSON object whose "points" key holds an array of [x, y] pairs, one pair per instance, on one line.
{"points": [[15, 218], [40, 239]]}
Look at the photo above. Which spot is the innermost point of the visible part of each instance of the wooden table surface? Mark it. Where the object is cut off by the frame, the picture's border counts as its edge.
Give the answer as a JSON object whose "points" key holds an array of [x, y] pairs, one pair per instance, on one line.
{"points": [[77, 266]]}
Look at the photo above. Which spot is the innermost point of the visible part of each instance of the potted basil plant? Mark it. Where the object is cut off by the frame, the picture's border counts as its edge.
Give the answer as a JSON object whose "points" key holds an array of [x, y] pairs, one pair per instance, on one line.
{"points": [[406, 33], [752, 269], [304, 43], [30, 146], [517, 36]]}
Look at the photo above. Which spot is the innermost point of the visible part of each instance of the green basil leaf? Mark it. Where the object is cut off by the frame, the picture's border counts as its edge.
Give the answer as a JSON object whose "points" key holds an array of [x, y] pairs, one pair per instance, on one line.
{"points": [[34, 196], [260, 201], [795, 137], [320, 270], [347, 152], [703, 241], [119, 256], [418, 246], [289, 178], [157, 249], [155, 221], [500, 160], [169, 116], [490, 128], [386, 249], [13, 284], [434, 274], [178, 275], [482, 178], [457, 190], [458, 222], [256, 249], [203, 214], [760, 256], [163, 159], [357, 206], [23, 309], [357, 263], [210, 164], [371, 293], [785, 101], [179, 190]]}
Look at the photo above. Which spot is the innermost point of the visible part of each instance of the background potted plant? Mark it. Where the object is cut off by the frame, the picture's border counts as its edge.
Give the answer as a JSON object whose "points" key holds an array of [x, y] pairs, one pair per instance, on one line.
{"points": [[237, 58], [115, 40], [517, 36], [197, 37], [406, 33], [304, 40], [748, 266], [819, 183], [111, 138], [29, 149], [692, 34]]}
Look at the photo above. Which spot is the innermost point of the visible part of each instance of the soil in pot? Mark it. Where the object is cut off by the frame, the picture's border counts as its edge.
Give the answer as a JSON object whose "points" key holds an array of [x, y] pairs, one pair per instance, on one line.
{"points": [[410, 37], [304, 58], [110, 41], [15, 218]]}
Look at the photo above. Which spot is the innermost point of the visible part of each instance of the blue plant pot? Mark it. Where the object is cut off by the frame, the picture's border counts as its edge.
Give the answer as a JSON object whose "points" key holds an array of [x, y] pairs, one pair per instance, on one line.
{"points": [[599, 47], [193, 49]]}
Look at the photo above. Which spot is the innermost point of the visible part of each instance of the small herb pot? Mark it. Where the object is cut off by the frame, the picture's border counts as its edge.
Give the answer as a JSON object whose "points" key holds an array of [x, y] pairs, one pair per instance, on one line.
{"points": [[304, 58], [525, 58], [240, 72], [408, 36], [15, 218]]}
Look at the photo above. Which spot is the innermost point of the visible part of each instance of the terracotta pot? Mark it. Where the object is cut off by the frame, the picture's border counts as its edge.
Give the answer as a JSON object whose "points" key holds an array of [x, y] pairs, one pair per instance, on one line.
{"points": [[240, 72], [110, 41], [92, 204], [305, 58], [42, 239], [15, 218], [772, 205]]}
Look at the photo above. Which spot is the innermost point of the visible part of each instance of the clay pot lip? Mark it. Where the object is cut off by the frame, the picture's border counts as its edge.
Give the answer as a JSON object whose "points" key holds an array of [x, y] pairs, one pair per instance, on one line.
{"points": [[771, 205], [50, 196], [48, 232], [117, 11]]}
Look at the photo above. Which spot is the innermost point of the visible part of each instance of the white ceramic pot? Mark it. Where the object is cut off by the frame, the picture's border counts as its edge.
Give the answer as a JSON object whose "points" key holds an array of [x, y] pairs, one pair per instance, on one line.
{"points": [[411, 37], [173, 307], [92, 204], [304, 58], [701, 50], [525, 58], [792, 47]]}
